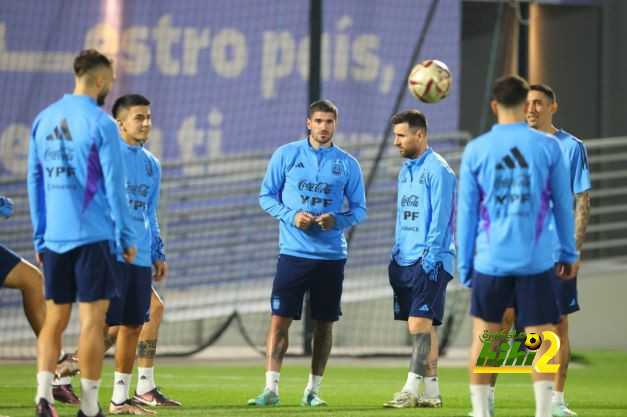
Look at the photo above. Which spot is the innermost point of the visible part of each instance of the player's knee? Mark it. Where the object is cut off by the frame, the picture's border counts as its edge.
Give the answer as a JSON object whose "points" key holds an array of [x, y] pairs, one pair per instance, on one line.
{"points": [[508, 318], [92, 318], [34, 281], [111, 333], [156, 310], [562, 327], [323, 325], [133, 329], [280, 324], [421, 325], [26, 278]]}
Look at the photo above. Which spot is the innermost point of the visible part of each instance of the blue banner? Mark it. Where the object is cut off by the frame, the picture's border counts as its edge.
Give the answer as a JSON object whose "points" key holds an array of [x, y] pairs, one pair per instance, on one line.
{"points": [[223, 77]]}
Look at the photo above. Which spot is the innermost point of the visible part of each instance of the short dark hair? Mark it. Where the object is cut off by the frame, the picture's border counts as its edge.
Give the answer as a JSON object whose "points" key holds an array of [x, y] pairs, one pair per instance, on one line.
{"points": [[88, 60], [128, 101], [413, 117], [548, 91], [325, 106], [511, 90]]}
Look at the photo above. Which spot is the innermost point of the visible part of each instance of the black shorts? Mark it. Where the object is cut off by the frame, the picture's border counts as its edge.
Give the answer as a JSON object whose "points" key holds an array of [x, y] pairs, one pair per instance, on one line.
{"points": [[566, 293], [132, 304], [533, 298], [416, 293], [84, 273], [8, 261], [294, 276]]}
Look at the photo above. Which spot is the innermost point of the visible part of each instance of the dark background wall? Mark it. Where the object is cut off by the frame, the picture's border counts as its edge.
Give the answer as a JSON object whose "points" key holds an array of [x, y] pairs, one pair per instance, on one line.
{"points": [[581, 51]]}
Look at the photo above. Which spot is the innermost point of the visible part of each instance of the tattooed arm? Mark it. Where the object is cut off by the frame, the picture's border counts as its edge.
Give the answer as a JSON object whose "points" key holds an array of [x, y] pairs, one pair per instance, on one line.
{"points": [[582, 216]]}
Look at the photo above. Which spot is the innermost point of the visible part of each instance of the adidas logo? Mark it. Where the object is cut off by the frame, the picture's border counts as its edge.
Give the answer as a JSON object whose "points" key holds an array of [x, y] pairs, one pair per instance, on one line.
{"points": [[509, 162], [424, 308], [143, 377], [120, 382], [573, 302], [300, 165]]}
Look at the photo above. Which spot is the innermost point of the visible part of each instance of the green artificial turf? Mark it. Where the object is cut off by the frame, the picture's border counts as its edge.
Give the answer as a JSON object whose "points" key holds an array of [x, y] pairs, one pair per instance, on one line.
{"points": [[597, 388]]}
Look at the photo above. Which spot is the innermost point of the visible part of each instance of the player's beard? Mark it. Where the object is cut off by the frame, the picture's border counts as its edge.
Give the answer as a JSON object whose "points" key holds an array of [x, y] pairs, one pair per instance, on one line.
{"points": [[101, 98], [409, 154], [326, 140]]}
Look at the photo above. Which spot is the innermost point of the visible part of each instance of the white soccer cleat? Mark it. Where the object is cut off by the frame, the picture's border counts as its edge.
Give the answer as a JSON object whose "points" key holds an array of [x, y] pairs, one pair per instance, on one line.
{"points": [[490, 409], [430, 402], [561, 410], [402, 399]]}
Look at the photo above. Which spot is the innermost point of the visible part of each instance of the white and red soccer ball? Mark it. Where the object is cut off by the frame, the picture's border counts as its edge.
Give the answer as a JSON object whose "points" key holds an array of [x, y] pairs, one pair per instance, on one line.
{"points": [[430, 81]]}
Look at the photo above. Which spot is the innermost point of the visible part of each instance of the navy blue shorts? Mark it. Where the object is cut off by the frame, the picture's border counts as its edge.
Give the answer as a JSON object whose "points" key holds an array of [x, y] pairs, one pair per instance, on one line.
{"points": [[566, 292], [322, 278], [533, 295], [132, 305], [416, 294], [84, 273], [8, 261]]}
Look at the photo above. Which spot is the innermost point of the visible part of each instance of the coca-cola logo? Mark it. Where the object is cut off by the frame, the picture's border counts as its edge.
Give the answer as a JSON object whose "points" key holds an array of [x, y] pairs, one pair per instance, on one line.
{"points": [[137, 189], [317, 187], [409, 200], [59, 154]]}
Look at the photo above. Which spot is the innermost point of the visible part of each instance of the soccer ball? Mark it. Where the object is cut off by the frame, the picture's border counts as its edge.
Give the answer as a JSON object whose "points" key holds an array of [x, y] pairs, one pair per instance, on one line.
{"points": [[533, 341], [430, 81]]}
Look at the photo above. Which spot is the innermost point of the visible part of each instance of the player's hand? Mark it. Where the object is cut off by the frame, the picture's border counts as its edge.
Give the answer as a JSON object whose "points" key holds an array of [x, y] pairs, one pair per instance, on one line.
{"points": [[129, 254], [326, 221], [566, 271], [576, 266], [303, 220], [39, 257], [161, 270], [466, 279], [6, 207]]}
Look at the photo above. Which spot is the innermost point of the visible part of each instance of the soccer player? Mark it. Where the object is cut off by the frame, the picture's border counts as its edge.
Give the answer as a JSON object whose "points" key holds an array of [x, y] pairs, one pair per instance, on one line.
{"points": [[508, 179], [304, 188], [541, 106], [131, 310], [19, 274], [79, 209], [423, 256], [135, 121]]}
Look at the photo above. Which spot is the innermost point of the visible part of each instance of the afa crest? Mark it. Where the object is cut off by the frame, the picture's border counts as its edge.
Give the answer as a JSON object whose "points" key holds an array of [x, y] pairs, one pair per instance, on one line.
{"points": [[336, 168]]}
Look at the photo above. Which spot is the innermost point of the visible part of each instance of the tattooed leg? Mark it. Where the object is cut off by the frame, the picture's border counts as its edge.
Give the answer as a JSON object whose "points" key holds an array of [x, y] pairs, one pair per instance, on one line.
{"points": [[423, 358], [277, 342], [420, 353], [563, 355], [146, 349], [431, 368], [322, 343], [150, 333]]}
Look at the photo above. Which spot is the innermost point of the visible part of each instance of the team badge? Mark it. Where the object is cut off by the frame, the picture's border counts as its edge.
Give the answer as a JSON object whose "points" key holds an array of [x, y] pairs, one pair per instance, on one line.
{"points": [[276, 303], [336, 168]]}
